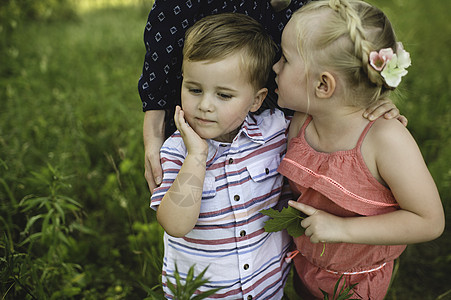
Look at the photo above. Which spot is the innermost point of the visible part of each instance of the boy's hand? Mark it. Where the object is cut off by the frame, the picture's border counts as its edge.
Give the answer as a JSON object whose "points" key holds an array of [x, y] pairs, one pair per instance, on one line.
{"points": [[320, 226], [193, 142], [386, 108]]}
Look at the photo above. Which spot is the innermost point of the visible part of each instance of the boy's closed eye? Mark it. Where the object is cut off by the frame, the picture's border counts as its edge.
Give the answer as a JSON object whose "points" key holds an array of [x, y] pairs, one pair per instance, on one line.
{"points": [[195, 91], [225, 96]]}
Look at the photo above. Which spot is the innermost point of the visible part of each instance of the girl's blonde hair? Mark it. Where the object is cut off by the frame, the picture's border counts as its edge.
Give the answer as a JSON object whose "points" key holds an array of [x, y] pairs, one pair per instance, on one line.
{"points": [[215, 37], [344, 33]]}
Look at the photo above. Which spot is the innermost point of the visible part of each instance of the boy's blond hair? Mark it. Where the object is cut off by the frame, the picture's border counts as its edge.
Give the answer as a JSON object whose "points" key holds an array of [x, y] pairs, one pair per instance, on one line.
{"points": [[215, 37], [345, 32]]}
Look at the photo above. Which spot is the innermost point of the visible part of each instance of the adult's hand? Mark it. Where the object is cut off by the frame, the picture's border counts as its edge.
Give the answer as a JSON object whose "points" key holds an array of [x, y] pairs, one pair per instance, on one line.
{"points": [[153, 134], [280, 5]]}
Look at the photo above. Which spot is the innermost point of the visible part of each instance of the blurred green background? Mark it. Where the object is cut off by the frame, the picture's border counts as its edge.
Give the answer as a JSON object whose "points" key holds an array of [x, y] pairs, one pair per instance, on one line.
{"points": [[74, 216]]}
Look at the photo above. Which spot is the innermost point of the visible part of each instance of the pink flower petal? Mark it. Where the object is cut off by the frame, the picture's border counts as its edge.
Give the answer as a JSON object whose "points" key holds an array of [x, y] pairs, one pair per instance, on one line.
{"points": [[386, 53], [377, 61]]}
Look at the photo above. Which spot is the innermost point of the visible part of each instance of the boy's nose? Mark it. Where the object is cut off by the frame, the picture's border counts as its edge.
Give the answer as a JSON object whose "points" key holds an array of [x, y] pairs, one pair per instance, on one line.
{"points": [[205, 104]]}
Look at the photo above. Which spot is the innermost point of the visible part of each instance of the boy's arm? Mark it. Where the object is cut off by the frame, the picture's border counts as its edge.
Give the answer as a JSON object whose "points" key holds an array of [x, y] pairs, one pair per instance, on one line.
{"points": [[180, 206], [179, 209], [386, 108]]}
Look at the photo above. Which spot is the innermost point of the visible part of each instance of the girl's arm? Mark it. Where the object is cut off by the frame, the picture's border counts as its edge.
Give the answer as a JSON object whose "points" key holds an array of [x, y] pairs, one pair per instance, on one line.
{"points": [[401, 165], [180, 206]]}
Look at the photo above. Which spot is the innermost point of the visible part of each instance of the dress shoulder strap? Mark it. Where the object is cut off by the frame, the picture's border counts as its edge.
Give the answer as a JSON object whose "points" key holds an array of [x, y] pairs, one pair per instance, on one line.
{"points": [[306, 122], [363, 134]]}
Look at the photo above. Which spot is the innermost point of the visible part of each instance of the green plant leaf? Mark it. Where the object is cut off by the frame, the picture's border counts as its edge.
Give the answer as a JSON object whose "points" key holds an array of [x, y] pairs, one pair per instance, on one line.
{"points": [[345, 293], [325, 295], [205, 294], [190, 275], [30, 223], [337, 284], [288, 218], [192, 283]]}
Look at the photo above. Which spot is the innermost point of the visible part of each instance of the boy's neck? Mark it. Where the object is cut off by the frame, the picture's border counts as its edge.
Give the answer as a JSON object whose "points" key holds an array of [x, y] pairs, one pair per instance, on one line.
{"points": [[228, 138]]}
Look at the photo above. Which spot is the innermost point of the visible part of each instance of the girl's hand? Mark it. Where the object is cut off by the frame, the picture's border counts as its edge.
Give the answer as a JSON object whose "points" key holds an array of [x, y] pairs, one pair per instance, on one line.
{"points": [[193, 142], [320, 226], [386, 108]]}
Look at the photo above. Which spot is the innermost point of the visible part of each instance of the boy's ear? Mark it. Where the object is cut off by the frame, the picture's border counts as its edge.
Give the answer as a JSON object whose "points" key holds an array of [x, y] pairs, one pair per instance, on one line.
{"points": [[258, 99], [326, 85]]}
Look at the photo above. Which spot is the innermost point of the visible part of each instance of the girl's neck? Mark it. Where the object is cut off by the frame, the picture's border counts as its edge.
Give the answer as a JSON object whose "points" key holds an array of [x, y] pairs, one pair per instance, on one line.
{"points": [[336, 130]]}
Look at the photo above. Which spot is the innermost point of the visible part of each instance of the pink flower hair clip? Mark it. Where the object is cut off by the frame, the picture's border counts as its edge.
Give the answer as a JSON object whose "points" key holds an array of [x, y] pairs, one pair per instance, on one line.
{"points": [[391, 65]]}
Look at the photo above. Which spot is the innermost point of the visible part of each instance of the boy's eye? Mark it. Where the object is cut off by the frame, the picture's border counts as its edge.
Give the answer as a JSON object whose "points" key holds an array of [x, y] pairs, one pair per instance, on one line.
{"points": [[195, 91], [224, 96]]}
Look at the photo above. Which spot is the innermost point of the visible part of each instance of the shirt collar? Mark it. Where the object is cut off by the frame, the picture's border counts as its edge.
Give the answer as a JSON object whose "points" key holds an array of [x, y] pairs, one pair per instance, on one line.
{"points": [[251, 130]]}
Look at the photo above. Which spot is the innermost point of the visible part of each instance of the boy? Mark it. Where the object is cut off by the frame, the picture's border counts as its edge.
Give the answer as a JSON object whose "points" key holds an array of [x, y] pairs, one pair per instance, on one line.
{"points": [[220, 170]]}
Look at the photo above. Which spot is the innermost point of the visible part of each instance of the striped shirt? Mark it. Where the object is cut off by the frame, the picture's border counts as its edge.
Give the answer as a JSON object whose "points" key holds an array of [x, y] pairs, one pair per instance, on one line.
{"points": [[229, 238]]}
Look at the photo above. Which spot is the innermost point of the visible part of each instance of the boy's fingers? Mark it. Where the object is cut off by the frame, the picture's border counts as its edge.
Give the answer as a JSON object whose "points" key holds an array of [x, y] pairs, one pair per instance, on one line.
{"points": [[176, 114], [179, 118], [370, 110], [403, 120]]}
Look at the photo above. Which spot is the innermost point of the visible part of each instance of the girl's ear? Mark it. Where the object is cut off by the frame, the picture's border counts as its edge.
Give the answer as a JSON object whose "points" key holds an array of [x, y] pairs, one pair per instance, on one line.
{"points": [[258, 99], [326, 85]]}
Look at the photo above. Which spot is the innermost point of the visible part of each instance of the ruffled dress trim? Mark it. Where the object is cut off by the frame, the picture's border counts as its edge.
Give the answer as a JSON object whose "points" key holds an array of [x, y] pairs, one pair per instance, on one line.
{"points": [[341, 176], [341, 184]]}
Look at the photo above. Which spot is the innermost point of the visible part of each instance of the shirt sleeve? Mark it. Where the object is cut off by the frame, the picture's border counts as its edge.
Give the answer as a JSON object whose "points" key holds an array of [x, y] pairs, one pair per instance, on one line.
{"points": [[172, 153], [159, 84]]}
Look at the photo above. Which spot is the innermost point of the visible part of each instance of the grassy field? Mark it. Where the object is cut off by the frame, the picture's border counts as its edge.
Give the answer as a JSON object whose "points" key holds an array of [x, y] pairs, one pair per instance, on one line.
{"points": [[74, 216]]}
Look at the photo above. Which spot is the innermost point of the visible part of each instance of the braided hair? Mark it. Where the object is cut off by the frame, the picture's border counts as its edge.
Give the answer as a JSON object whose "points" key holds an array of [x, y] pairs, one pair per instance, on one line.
{"points": [[344, 33]]}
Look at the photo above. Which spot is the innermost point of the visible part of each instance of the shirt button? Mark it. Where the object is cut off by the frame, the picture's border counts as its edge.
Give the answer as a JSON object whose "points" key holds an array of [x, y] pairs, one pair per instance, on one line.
{"points": [[236, 197], [246, 266], [230, 161], [249, 297], [243, 233], [267, 171]]}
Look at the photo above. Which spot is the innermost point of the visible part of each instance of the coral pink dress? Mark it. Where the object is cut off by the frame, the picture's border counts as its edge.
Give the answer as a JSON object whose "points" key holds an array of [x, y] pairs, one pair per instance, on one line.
{"points": [[341, 184]]}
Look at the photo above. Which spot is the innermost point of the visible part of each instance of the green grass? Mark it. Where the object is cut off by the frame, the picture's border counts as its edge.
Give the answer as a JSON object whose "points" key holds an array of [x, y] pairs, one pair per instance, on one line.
{"points": [[71, 127], [425, 31], [71, 133]]}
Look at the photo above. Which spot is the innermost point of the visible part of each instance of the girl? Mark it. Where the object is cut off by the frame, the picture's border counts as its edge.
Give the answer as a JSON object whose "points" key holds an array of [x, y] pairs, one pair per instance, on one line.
{"points": [[363, 185]]}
